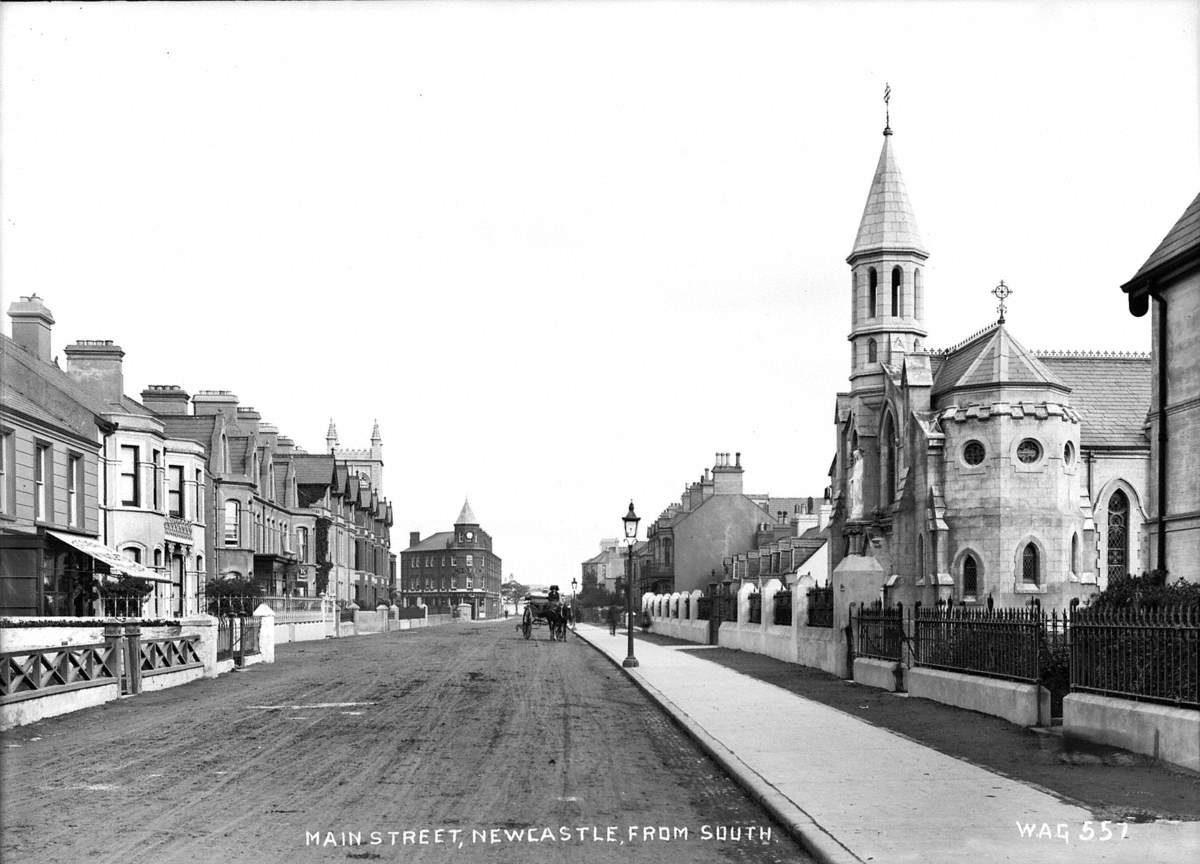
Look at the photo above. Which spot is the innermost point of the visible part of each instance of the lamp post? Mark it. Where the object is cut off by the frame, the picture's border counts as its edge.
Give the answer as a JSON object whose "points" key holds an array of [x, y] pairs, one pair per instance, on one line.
{"points": [[631, 522], [574, 613]]}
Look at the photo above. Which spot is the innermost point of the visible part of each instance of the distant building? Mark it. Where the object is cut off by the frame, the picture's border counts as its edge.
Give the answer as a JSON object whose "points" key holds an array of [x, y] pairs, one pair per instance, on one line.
{"points": [[607, 566], [689, 543], [796, 543], [451, 568], [1171, 279]]}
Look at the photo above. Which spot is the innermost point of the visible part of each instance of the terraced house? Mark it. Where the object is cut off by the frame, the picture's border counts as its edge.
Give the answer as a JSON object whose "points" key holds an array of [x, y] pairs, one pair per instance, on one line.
{"points": [[60, 439]]}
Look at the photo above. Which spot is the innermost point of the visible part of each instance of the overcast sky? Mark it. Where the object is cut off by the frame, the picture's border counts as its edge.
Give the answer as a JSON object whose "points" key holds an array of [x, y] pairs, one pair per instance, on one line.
{"points": [[564, 253]]}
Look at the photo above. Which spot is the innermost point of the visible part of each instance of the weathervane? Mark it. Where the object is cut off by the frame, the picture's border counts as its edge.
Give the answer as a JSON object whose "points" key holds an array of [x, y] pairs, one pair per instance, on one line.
{"points": [[887, 116], [1001, 291]]}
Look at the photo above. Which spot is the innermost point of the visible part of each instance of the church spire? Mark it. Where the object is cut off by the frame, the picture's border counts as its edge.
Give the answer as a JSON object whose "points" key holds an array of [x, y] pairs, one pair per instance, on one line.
{"points": [[331, 439], [888, 223]]}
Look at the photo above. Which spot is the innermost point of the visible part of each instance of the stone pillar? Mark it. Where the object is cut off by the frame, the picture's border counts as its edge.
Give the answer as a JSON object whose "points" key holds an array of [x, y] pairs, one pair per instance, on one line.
{"points": [[266, 632], [394, 615], [381, 610], [857, 579], [770, 588], [204, 626]]}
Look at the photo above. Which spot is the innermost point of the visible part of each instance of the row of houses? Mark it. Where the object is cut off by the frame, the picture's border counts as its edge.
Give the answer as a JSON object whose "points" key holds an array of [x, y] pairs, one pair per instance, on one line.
{"points": [[98, 488], [983, 473], [716, 532]]}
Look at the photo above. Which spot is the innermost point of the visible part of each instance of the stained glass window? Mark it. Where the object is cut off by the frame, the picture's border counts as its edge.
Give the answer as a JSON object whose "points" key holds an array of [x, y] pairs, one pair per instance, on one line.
{"points": [[1029, 451]]}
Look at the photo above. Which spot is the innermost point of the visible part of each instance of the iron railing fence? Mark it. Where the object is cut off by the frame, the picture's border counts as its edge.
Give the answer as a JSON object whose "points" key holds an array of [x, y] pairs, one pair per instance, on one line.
{"points": [[224, 605], [113, 604], [783, 608], [729, 608], [998, 643], [820, 607], [346, 616], [224, 637], [1145, 654], [880, 631], [704, 609], [251, 627], [755, 608]]}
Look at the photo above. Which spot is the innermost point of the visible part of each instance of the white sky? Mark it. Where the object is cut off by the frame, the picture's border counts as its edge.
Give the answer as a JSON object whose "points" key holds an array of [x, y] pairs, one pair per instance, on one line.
{"points": [[564, 253]]}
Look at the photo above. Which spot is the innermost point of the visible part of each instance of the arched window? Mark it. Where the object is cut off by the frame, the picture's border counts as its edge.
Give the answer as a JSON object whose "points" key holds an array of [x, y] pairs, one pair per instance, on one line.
{"points": [[157, 557], [667, 553], [921, 557], [233, 523], [897, 279], [1030, 565], [872, 351], [854, 296], [970, 576], [918, 294], [1075, 553], [872, 291], [887, 467], [1118, 535], [200, 564], [132, 553]]}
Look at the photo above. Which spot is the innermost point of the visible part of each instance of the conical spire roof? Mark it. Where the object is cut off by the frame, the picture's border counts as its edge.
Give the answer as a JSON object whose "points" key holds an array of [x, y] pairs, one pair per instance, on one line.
{"points": [[888, 223], [991, 358], [375, 436], [465, 516]]}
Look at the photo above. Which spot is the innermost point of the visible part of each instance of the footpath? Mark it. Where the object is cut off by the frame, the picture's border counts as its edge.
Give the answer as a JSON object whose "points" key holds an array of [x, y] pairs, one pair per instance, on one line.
{"points": [[849, 791]]}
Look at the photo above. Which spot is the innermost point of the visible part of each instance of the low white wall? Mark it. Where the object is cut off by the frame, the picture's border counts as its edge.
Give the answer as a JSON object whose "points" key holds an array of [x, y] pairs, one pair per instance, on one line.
{"points": [[1014, 701], [681, 628], [164, 680], [820, 648], [25, 638], [1170, 734], [32, 710], [876, 673], [307, 631]]}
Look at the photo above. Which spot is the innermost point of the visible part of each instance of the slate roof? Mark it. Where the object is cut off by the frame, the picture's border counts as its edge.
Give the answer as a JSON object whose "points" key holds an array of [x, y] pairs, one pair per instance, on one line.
{"points": [[887, 223], [189, 427], [991, 357], [42, 390], [1184, 237], [432, 543], [237, 455], [313, 469], [1111, 394]]}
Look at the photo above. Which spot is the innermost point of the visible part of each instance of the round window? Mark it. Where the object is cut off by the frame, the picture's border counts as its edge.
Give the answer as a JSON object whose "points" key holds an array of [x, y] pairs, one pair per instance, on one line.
{"points": [[1069, 452], [1029, 451], [973, 453]]}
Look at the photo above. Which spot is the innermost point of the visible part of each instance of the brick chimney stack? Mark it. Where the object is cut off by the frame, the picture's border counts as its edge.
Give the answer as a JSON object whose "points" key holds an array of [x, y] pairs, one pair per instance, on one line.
{"points": [[31, 323], [166, 399], [96, 365]]}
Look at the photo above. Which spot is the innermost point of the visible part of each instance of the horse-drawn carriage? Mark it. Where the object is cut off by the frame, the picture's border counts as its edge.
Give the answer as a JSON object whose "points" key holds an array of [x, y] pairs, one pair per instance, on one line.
{"points": [[546, 610]]}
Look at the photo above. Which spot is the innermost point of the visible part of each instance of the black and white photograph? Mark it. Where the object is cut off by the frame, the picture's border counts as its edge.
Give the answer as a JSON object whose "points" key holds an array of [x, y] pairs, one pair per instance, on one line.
{"points": [[606, 431]]}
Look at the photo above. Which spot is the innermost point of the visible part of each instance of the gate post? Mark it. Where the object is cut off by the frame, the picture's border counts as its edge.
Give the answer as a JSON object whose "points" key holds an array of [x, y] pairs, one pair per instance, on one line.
{"points": [[133, 658], [116, 654], [241, 637]]}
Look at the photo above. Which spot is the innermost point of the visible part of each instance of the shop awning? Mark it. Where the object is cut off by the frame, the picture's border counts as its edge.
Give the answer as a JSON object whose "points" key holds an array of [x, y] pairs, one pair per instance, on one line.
{"points": [[116, 562]]}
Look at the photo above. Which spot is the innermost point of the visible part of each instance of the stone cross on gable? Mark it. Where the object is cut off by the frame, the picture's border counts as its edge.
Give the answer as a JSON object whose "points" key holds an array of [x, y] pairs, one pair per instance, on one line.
{"points": [[1001, 292]]}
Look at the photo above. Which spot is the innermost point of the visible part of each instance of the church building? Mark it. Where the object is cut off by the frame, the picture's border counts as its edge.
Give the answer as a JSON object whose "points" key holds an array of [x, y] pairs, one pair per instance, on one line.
{"points": [[983, 471]]}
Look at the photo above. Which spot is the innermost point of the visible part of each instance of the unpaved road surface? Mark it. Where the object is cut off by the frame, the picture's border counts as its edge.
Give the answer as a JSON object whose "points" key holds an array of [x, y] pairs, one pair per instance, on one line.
{"points": [[530, 751]]}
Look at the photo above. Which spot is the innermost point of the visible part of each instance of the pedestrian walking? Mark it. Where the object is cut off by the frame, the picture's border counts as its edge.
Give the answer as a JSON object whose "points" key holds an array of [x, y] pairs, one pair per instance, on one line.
{"points": [[612, 620]]}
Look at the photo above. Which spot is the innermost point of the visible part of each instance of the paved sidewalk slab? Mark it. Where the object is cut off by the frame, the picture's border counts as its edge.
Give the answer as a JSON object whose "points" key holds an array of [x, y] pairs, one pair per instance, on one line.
{"points": [[856, 792]]}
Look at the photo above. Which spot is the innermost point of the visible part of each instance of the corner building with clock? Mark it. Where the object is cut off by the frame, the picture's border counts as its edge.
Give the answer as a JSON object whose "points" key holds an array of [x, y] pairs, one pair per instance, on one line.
{"points": [[452, 568], [984, 470]]}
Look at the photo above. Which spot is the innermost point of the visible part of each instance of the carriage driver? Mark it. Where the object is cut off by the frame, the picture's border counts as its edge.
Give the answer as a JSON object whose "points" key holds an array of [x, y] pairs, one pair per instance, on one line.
{"points": [[552, 594]]}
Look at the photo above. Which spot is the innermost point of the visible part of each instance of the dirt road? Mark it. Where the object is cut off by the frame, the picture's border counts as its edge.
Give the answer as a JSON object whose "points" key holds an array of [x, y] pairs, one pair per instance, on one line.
{"points": [[498, 749]]}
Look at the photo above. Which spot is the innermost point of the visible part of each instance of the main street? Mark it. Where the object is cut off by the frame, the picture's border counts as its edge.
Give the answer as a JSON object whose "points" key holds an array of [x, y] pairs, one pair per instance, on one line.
{"points": [[516, 750]]}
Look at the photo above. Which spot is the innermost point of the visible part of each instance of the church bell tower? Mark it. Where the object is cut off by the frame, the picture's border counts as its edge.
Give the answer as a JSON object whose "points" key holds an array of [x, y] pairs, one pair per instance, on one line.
{"points": [[886, 289]]}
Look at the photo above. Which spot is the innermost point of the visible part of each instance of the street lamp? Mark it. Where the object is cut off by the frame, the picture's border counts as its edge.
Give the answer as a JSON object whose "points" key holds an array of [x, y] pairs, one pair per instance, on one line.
{"points": [[631, 521]]}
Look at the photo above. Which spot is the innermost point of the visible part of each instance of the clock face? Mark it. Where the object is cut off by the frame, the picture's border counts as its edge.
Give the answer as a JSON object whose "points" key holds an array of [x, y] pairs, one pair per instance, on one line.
{"points": [[470, 535]]}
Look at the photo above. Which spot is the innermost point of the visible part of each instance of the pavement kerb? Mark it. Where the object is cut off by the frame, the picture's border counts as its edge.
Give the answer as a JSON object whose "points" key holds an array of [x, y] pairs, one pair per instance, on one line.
{"points": [[801, 827]]}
